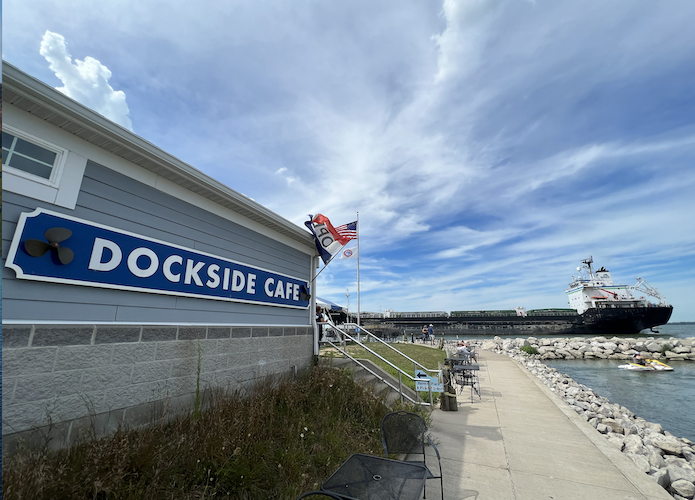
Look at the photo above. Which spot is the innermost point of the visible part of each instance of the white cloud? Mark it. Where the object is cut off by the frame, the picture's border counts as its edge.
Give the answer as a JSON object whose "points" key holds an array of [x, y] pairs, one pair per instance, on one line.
{"points": [[85, 81], [282, 172], [461, 41]]}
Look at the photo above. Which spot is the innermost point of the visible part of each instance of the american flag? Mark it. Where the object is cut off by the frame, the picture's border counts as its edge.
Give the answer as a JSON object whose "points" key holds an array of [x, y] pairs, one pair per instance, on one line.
{"points": [[348, 230]]}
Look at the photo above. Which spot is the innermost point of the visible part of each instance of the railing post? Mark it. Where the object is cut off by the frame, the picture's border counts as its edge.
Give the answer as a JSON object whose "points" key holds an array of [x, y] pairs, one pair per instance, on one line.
{"points": [[400, 385], [429, 386]]}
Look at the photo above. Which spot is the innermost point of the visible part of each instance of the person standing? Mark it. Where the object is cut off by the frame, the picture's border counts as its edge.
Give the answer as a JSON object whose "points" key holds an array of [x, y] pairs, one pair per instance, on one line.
{"points": [[430, 332], [319, 321], [424, 333]]}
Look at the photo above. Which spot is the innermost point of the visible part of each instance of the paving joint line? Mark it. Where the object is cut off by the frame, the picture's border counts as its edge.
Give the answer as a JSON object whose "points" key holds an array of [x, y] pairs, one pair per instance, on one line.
{"points": [[504, 444]]}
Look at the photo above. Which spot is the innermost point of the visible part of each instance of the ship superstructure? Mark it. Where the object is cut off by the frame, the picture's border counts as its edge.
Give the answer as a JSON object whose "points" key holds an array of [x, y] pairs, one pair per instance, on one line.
{"points": [[604, 305], [597, 290]]}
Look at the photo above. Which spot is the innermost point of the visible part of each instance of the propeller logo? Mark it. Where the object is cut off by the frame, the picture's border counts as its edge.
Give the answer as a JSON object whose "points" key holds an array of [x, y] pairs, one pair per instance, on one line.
{"points": [[54, 235]]}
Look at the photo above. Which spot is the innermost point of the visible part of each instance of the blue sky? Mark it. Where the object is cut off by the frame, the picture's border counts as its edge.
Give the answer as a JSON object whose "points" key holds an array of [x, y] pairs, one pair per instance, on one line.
{"points": [[488, 145]]}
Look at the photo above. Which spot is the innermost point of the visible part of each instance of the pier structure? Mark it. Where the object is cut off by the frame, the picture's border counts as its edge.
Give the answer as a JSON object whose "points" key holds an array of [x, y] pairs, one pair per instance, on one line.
{"points": [[522, 442]]}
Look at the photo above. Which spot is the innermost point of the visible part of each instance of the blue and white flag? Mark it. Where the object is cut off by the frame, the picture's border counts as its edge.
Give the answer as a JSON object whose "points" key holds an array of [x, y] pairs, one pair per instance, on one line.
{"points": [[348, 253]]}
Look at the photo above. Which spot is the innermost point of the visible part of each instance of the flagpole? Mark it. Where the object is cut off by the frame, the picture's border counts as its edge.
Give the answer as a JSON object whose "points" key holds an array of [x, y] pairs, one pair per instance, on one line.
{"points": [[329, 261], [358, 269]]}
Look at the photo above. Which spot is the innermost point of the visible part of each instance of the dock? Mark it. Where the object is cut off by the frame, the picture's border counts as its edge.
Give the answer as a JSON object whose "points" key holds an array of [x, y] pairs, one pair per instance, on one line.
{"points": [[519, 441]]}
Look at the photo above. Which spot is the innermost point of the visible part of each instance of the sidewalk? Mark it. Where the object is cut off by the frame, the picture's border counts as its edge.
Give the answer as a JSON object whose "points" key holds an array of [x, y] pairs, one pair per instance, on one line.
{"points": [[521, 442]]}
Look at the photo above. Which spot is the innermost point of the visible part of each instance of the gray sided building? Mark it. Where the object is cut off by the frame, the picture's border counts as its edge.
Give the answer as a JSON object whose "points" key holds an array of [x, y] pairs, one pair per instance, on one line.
{"points": [[129, 276]]}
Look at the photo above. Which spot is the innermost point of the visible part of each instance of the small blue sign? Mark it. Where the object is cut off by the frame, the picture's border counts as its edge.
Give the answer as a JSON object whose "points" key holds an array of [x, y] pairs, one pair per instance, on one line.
{"points": [[49, 246]]}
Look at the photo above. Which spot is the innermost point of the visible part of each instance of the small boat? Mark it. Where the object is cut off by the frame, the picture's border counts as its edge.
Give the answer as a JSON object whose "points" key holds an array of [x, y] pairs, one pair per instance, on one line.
{"points": [[650, 365]]}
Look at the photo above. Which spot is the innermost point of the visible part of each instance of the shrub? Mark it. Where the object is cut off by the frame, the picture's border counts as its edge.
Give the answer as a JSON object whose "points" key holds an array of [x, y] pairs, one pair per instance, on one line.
{"points": [[529, 349], [665, 347]]}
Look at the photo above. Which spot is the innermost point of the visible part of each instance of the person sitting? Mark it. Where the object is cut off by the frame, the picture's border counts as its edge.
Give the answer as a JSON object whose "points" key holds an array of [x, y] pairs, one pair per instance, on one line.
{"points": [[639, 360], [462, 351]]}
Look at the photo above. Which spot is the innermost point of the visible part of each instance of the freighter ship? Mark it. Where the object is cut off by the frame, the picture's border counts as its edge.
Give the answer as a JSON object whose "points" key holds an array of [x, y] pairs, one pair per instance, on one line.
{"points": [[599, 306]]}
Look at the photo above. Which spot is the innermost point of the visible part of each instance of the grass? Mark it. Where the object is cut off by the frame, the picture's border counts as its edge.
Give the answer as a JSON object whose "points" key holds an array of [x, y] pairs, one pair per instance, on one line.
{"points": [[426, 356], [529, 349], [283, 438]]}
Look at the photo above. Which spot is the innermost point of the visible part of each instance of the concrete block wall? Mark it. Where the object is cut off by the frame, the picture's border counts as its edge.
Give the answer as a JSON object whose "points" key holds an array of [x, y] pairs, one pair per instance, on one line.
{"points": [[61, 381]]}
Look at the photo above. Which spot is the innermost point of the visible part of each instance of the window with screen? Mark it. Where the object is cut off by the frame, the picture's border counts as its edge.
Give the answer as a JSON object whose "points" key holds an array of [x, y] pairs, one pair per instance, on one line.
{"points": [[27, 157]]}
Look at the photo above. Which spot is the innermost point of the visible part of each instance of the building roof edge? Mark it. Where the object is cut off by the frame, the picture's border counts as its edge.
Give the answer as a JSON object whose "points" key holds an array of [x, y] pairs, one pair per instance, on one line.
{"points": [[68, 114]]}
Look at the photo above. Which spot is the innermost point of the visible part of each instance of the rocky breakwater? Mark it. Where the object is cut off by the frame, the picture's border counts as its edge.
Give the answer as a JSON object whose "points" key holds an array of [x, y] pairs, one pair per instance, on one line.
{"points": [[666, 350], [669, 460]]}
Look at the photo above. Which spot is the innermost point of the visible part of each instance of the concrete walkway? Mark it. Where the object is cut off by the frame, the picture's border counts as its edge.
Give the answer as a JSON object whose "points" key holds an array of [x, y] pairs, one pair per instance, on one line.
{"points": [[521, 442]]}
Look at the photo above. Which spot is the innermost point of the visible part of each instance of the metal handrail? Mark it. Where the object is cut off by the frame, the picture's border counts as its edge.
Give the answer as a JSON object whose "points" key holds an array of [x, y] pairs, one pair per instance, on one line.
{"points": [[393, 348], [382, 379], [399, 370]]}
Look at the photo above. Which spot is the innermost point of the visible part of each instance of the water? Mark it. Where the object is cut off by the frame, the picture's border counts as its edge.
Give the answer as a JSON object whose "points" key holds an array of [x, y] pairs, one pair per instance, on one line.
{"points": [[667, 398]]}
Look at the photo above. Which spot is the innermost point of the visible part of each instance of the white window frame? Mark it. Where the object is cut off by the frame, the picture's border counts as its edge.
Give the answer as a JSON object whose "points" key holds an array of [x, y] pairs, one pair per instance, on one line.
{"points": [[58, 164]]}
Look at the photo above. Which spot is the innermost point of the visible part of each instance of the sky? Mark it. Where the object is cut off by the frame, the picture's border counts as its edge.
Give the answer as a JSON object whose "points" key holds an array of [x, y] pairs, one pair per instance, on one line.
{"points": [[488, 145]]}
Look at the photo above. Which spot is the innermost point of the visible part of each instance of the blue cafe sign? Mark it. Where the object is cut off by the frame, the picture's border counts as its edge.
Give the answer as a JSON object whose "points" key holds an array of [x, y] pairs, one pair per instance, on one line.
{"points": [[48, 246]]}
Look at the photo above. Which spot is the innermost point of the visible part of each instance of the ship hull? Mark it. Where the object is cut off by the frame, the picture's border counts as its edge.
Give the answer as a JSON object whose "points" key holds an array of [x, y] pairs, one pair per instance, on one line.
{"points": [[620, 321], [627, 320]]}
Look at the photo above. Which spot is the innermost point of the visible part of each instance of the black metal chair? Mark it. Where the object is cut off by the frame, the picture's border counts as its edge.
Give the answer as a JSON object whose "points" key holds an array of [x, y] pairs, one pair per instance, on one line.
{"points": [[319, 493], [404, 432]]}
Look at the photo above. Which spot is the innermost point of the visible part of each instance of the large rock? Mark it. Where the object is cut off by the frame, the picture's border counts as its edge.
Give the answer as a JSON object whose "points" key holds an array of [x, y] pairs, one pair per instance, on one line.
{"points": [[689, 455], [605, 411], [661, 477], [629, 427], [655, 458], [572, 391], [633, 444], [508, 344], [684, 488], [616, 441], [654, 427], [676, 461], [615, 426], [669, 444], [652, 346], [676, 473], [681, 350], [641, 462], [488, 345]]}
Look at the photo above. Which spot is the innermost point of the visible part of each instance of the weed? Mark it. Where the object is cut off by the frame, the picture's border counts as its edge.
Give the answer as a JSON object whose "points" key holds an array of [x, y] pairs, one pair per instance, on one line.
{"points": [[196, 407], [529, 349]]}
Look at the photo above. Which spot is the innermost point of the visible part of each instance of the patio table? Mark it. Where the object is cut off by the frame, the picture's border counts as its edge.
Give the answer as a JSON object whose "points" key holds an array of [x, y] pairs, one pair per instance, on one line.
{"points": [[365, 477]]}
